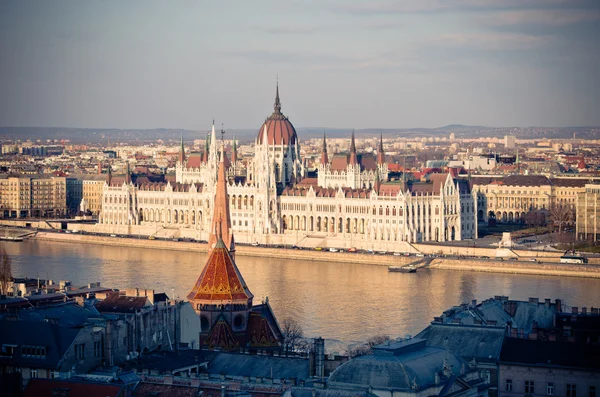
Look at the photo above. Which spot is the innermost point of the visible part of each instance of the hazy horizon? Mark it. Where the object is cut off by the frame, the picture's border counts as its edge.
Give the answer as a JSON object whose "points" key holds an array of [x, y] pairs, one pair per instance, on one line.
{"points": [[342, 64]]}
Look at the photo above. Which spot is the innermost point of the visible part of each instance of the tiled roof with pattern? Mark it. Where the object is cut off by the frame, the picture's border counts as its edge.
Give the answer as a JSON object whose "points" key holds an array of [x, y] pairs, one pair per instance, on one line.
{"points": [[222, 337], [220, 280]]}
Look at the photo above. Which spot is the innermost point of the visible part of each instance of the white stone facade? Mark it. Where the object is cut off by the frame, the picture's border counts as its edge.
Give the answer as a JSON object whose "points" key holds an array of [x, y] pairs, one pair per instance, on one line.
{"points": [[273, 204]]}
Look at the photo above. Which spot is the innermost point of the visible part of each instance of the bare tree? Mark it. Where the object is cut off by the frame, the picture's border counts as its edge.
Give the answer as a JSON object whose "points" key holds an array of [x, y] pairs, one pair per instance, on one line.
{"points": [[292, 333], [367, 347], [377, 340], [560, 215], [5, 271]]}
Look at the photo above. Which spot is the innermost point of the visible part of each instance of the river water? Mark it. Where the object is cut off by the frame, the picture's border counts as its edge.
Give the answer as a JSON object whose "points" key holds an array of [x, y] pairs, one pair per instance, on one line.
{"points": [[342, 302]]}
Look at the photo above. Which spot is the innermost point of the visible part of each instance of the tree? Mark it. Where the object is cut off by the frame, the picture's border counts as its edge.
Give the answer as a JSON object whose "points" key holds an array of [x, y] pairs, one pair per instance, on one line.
{"points": [[292, 333], [367, 347], [5, 271], [560, 215]]}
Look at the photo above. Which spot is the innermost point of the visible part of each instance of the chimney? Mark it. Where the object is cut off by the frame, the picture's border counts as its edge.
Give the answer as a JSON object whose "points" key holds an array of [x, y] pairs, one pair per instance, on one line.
{"points": [[559, 306], [533, 301], [474, 303], [584, 310], [574, 310], [547, 303], [594, 310]]}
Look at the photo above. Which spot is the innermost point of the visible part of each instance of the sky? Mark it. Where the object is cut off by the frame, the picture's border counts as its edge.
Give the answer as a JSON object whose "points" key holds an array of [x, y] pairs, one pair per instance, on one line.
{"points": [[340, 63]]}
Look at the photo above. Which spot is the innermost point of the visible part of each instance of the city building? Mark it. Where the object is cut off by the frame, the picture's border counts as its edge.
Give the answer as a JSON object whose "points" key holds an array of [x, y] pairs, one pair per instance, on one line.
{"points": [[409, 368], [514, 198], [587, 224], [33, 196], [510, 141], [548, 368], [350, 204]]}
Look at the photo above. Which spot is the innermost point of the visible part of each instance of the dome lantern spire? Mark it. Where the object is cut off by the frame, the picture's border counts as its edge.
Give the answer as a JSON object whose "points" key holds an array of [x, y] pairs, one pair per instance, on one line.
{"points": [[277, 106]]}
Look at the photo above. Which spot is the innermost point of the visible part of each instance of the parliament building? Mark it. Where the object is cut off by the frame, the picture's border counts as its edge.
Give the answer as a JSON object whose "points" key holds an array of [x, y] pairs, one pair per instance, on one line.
{"points": [[350, 204]]}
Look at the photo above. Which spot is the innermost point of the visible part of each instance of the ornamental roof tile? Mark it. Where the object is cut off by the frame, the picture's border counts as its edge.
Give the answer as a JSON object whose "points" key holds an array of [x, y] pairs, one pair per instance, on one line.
{"points": [[220, 280], [222, 337]]}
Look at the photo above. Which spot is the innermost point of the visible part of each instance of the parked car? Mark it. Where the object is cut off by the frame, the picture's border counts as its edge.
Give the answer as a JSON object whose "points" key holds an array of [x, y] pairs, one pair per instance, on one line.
{"points": [[352, 249], [333, 250]]}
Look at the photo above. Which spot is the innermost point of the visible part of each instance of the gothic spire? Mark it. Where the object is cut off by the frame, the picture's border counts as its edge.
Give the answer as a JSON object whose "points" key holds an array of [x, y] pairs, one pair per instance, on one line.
{"points": [[324, 157], [109, 175], [353, 158], [380, 153], [234, 152], [221, 220], [182, 152], [128, 174], [277, 107]]}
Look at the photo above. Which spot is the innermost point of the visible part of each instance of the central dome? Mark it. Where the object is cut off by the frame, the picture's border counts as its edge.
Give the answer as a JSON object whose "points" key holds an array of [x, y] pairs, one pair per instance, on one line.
{"points": [[279, 129]]}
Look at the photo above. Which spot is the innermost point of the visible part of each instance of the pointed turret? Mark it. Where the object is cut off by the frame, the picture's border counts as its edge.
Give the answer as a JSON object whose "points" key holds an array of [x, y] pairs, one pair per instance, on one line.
{"points": [[221, 219], [277, 106], [128, 174], [377, 183], [109, 175], [182, 152], [353, 157], [324, 157], [380, 153], [234, 152]]}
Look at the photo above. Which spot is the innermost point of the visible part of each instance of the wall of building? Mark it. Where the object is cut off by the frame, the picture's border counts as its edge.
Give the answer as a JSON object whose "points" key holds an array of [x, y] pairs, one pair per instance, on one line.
{"points": [[542, 375]]}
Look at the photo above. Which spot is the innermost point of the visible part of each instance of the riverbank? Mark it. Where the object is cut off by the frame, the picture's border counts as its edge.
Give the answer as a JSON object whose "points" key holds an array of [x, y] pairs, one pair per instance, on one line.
{"points": [[240, 250], [515, 267], [546, 268]]}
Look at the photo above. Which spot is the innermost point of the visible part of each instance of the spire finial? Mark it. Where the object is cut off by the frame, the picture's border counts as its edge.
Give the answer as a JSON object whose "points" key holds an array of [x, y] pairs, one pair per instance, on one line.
{"points": [[277, 106]]}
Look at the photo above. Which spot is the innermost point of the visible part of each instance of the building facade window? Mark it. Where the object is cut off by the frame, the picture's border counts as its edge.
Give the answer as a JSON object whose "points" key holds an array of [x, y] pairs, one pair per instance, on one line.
{"points": [[508, 385], [33, 373], [98, 349], [80, 351], [550, 389], [529, 387], [571, 390]]}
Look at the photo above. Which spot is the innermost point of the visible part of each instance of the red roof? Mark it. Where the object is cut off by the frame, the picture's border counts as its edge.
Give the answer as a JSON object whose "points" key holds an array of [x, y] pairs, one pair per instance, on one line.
{"points": [[279, 129], [220, 280], [221, 336], [39, 387], [194, 160]]}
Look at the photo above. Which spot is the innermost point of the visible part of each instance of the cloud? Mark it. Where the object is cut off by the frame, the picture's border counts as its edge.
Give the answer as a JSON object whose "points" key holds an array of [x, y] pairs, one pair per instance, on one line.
{"points": [[286, 29], [384, 25], [490, 41], [437, 6], [549, 18]]}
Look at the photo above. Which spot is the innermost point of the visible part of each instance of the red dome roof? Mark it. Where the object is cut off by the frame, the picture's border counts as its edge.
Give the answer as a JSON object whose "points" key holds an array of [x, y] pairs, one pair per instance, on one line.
{"points": [[279, 129]]}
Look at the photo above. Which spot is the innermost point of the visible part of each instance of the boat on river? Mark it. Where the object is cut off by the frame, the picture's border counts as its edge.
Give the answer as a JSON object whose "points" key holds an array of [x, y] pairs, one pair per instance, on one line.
{"points": [[402, 269]]}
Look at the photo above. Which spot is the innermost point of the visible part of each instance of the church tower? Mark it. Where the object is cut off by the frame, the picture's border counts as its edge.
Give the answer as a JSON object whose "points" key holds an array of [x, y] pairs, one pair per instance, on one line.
{"points": [[221, 297], [353, 167], [324, 166], [382, 166]]}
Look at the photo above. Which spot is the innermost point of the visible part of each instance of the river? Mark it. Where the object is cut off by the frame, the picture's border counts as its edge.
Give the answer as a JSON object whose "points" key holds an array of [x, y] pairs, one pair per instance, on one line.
{"points": [[341, 302]]}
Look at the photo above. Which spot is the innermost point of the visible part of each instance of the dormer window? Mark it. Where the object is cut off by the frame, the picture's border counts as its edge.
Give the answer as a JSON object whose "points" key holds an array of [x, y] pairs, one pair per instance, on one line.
{"points": [[8, 350], [33, 351]]}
